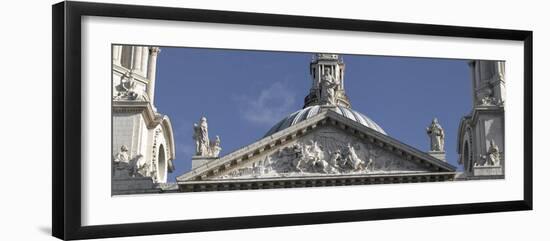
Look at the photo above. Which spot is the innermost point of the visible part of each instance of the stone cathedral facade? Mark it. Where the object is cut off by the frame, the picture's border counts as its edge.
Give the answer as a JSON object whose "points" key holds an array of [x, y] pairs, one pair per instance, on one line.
{"points": [[143, 139], [326, 143]]}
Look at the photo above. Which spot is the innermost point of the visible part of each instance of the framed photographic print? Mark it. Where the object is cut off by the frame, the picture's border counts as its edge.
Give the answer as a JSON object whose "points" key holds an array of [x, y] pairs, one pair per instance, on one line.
{"points": [[171, 120]]}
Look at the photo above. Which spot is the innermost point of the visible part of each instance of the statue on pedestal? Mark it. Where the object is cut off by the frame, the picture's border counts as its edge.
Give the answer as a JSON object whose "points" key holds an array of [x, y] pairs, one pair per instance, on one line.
{"points": [[125, 167], [437, 136], [215, 147], [329, 84], [127, 88], [203, 145], [201, 137]]}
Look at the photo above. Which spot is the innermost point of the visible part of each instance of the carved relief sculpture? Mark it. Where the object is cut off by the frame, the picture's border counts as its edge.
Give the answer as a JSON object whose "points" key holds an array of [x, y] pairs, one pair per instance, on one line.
{"points": [[485, 96], [322, 155], [124, 167], [127, 88]]}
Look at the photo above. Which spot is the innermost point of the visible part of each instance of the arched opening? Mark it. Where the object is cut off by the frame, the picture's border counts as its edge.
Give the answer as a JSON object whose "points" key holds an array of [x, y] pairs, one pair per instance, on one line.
{"points": [[161, 164]]}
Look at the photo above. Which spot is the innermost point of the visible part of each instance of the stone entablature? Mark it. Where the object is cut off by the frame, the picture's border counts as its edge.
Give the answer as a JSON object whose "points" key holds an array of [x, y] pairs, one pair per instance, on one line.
{"points": [[312, 181]]}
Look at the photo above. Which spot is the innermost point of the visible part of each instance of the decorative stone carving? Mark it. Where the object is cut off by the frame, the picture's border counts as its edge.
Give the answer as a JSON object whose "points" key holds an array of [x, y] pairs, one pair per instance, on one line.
{"points": [[329, 84], [327, 152], [215, 147], [353, 160], [437, 136], [127, 88], [126, 167], [485, 96], [203, 146], [493, 155], [488, 100], [153, 170], [122, 156], [201, 137], [488, 82], [154, 51]]}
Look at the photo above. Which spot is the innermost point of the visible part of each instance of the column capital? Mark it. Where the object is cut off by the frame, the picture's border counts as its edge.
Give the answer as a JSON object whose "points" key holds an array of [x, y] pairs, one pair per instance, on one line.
{"points": [[154, 51]]}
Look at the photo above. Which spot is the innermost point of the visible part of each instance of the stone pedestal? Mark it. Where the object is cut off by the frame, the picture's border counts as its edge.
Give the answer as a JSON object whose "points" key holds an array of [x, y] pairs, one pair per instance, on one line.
{"points": [[197, 161], [439, 155], [488, 171], [133, 185]]}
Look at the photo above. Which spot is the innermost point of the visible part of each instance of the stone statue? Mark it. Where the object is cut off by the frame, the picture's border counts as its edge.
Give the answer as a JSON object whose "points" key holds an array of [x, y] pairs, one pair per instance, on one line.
{"points": [[196, 138], [126, 167], [203, 146], [200, 136], [354, 160], [127, 87], [493, 155], [316, 158], [437, 136], [369, 166], [215, 147], [335, 159], [329, 85], [122, 156], [296, 157], [486, 97]]}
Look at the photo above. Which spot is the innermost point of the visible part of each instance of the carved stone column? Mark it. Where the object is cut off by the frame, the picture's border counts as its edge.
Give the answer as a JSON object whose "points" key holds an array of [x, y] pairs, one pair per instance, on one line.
{"points": [[117, 54], [152, 72], [136, 66], [144, 61]]}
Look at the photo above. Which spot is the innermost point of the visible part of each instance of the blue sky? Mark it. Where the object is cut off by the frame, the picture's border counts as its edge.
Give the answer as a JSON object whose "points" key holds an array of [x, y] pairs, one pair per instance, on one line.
{"points": [[244, 93]]}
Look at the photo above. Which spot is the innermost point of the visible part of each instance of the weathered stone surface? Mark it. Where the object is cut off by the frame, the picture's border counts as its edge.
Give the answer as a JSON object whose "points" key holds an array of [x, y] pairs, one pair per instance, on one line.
{"points": [[439, 155], [437, 136], [146, 134], [488, 170], [204, 147], [481, 133], [134, 185]]}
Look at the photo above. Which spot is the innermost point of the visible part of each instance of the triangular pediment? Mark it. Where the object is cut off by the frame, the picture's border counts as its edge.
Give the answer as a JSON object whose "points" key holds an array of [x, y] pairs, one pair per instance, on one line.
{"points": [[325, 145]]}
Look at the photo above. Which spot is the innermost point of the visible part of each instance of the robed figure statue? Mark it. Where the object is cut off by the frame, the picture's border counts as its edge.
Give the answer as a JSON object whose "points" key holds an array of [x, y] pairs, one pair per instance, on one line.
{"points": [[437, 136]]}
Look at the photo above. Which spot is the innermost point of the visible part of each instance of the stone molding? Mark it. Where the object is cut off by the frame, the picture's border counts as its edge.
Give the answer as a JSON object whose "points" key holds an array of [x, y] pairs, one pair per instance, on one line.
{"points": [[320, 181], [240, 156]]}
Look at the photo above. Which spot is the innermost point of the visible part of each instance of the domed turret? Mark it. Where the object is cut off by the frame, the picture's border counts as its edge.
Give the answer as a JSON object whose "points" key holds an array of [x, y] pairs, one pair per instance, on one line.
{"points": [[327, 93]]}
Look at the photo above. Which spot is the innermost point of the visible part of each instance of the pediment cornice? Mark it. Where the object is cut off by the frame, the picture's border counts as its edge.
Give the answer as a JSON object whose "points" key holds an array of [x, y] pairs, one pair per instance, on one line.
{"points": [[242, 155]]}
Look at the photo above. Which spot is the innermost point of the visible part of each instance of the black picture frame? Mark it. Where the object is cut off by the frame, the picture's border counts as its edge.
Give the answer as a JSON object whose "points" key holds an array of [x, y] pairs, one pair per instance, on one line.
{"points": [[67, 137]]}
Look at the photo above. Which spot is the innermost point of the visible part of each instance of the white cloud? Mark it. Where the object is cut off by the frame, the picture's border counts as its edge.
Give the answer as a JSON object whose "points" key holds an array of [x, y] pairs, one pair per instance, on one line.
{"points": [[272, 104]]}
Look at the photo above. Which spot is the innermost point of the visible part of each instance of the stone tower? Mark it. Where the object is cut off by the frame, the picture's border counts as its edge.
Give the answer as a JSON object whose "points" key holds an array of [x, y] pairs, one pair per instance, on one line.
{"points": [[481, 133], [143, 142], [334, 66]]}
